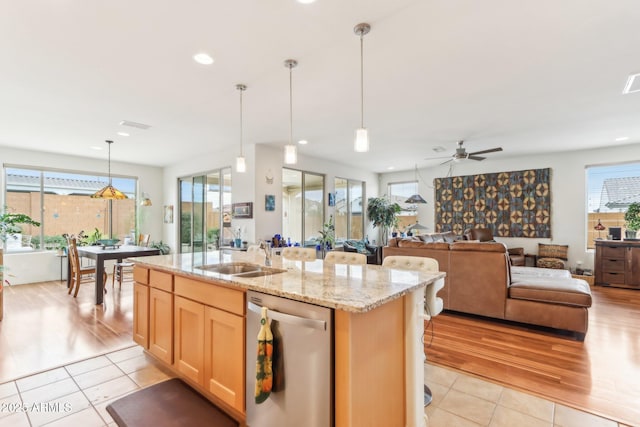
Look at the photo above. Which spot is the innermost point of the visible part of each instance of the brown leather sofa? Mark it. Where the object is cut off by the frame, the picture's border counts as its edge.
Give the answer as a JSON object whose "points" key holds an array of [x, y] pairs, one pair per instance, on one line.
{"points": [[516, 255], [479, 281]]}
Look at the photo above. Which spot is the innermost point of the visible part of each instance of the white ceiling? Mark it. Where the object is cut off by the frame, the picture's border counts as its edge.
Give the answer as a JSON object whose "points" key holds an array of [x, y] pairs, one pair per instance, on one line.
{"points": [[530, 76]]}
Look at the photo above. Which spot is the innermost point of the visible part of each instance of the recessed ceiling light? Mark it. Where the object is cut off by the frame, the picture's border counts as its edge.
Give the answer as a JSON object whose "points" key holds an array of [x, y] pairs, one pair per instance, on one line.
{"points": [[390, 168], [622, 138], [306, 1], [303, 142], [203, 58], [123, 134], [95, 147]]}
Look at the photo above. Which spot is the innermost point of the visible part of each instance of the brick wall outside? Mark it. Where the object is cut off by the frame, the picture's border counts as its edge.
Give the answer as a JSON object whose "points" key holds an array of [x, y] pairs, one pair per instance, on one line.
{"points": [[72, 214]]}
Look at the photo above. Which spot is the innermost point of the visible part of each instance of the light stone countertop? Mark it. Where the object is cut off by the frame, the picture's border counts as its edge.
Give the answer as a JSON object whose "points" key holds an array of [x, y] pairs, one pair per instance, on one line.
{"points": [[353, 288]]}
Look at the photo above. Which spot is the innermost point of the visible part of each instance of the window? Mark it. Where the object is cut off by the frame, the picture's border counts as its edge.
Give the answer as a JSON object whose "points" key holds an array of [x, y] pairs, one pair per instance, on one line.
{"points": [[610, 190], [399, 192], [61, 202], [349, 222], [302, 206], [205, 211]]}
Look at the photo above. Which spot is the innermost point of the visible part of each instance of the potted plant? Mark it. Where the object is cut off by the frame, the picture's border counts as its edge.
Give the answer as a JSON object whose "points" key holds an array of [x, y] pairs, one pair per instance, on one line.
{"points": [[163, 247], [10, 224], [382, 212], [632, 220], [327, 237]]}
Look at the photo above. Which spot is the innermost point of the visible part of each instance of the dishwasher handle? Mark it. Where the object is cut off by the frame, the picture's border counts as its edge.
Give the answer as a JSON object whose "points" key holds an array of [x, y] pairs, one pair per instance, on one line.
{"points": [[289, 318]]}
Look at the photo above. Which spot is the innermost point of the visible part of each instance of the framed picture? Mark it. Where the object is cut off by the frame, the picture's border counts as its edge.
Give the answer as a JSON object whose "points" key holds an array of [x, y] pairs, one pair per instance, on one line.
{"points": [[242, 210], [269, 202], [168, 214]]}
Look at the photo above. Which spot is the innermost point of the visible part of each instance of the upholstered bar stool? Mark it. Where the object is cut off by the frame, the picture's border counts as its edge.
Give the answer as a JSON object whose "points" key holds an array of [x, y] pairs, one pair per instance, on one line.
{"points": [[299, 254], [341, 257], [433, 304]]}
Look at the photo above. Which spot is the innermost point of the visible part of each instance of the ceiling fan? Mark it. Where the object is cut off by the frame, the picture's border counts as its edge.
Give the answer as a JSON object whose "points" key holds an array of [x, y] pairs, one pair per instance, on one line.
{"points": [[461, 154]]}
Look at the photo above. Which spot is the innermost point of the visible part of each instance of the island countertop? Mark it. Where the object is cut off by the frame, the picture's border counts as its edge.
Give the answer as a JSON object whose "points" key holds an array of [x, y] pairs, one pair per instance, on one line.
{"points": [[352, 288]]}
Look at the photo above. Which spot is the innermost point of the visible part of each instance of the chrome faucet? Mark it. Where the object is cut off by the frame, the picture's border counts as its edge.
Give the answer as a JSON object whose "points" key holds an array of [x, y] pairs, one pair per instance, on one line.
{"points": [[267, 252]]}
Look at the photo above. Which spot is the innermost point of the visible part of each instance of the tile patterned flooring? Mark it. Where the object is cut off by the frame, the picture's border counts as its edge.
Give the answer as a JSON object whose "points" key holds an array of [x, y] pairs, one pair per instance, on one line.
{"points": [[78, 393]]}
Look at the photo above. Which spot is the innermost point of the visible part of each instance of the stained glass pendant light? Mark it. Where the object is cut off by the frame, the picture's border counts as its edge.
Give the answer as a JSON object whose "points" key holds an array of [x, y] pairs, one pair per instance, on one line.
{"points": [[241, 164], [361, 143], [109, 192], [290, 150]]}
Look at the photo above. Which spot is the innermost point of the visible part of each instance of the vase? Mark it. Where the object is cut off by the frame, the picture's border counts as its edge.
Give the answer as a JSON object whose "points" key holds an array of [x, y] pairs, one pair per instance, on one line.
{"points": [[238, 243], [630, 234]]}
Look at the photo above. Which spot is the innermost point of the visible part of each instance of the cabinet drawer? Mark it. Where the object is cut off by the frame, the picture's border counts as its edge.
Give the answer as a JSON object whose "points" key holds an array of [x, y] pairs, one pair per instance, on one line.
{"points": [[161, 280], [613, 278], [207, 293], [612, 265], [141, 275], [613, 252]]}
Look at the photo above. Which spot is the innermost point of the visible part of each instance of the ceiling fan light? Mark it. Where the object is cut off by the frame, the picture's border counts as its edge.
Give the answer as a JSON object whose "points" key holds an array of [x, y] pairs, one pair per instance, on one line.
{"points": [[290, 154], [361, 144]]}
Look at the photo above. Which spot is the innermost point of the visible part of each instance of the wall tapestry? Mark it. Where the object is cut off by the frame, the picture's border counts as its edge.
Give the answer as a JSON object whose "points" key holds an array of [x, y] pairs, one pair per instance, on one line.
{"points": [[511, 204]]}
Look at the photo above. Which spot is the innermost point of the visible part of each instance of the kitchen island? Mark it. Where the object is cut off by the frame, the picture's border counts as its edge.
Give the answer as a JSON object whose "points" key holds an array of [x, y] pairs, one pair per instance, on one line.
{"points": [[193, 320]]}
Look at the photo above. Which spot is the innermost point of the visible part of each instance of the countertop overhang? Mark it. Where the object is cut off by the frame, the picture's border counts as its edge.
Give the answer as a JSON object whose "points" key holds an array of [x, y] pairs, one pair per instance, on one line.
{"points": [[352, 288]]}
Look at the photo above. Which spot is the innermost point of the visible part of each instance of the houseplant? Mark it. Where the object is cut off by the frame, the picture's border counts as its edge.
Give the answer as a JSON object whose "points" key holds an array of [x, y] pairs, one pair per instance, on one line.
{"points": [[10, 224], [327, 237], [382, 212], [632, 220]]}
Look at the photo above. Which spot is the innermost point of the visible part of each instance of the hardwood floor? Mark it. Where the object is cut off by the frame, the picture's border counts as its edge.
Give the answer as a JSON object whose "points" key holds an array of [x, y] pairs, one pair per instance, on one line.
{"points": [[600, 375], [43, 327]]}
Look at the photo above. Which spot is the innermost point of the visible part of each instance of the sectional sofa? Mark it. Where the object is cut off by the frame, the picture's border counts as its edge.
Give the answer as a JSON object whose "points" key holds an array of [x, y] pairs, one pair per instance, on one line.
{"points": [[481, 281]]}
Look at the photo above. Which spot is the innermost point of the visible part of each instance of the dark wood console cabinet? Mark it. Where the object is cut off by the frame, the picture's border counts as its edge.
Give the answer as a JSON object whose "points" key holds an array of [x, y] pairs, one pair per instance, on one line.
{"points": [[618, 263]]}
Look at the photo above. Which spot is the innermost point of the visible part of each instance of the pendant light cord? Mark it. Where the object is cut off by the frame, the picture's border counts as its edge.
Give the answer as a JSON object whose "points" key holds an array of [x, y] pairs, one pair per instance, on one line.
{"points": [[361, 81], [241, 90], [291, 104], [109, 157]]}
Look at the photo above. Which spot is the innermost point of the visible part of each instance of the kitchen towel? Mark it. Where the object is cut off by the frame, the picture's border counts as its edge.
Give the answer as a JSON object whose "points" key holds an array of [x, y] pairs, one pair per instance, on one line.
{"points": [[264, 372]]}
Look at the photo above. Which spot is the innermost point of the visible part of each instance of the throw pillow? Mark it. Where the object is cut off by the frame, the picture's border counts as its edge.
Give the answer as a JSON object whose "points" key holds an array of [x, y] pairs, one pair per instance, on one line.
{"points": [[553, 251], [360, 247]]}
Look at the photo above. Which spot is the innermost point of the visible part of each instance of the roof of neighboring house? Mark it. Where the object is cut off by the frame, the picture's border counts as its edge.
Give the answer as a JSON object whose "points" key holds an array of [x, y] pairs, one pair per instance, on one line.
{"points": [[620, 192], [53, 184]]}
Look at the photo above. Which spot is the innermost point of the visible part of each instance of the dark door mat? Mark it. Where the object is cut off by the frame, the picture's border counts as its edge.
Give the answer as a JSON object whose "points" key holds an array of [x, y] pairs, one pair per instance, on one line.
{"points": [[171, 403]]}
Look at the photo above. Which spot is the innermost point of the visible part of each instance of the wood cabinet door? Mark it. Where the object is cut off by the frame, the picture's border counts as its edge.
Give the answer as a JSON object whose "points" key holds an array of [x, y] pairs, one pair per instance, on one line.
{"points": [[224, 356], [141, 314], [161, 324], [633, 267], [189, 339]]}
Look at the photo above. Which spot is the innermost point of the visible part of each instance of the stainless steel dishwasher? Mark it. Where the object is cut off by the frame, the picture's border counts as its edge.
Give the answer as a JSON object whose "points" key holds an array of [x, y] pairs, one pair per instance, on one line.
{"points": [[302, 392]]}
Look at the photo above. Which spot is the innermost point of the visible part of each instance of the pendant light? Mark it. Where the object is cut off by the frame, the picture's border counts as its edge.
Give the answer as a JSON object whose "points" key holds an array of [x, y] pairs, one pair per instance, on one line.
{"points": [[146, 200], [361, 144], [290, 150], [109, 192], [416, 198], [241, 165]]}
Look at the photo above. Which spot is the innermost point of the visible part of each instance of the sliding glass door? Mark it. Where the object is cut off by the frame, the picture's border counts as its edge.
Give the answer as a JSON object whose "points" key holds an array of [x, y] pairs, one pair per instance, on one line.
{"points": [[205, 211], [303, 206]]}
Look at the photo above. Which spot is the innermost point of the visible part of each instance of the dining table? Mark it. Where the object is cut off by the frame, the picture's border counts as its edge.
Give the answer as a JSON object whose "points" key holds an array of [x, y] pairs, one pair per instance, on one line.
{"points": [[101, 253]]}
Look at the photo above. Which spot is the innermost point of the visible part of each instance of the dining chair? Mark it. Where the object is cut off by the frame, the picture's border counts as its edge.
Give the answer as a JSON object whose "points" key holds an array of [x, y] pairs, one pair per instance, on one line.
{"points": [[341, 257], [119, 268], [299, 254], [433, 304], [77, 270]]}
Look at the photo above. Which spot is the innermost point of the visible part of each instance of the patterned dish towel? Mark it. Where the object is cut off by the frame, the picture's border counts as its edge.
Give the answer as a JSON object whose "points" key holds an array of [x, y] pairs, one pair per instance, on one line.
{"points": [[264, 372]]}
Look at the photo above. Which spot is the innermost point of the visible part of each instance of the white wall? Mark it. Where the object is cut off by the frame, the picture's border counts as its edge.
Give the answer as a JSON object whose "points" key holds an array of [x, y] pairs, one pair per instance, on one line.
{"points": [[568, 192], [36, 267], [252, 186]]}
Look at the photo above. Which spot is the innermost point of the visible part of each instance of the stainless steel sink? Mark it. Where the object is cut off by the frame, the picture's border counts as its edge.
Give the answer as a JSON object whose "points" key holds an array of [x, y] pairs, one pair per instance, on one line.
{"points": [[241, 269]]}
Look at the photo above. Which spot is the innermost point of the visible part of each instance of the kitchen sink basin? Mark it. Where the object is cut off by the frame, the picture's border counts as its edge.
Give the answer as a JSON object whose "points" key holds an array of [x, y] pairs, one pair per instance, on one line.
{"points": [[241, 269]]}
